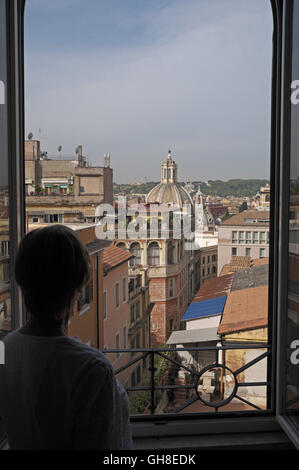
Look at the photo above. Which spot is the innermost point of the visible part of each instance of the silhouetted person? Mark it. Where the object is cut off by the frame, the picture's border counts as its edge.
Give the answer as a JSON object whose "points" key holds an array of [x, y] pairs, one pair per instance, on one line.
{"points": [[55, 391]]}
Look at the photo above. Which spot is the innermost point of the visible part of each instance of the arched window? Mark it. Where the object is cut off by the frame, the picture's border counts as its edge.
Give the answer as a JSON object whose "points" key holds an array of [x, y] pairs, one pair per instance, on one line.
{"points": [[136, 251], [170, 250], [153, 254], [122, 245], [168, 172]]}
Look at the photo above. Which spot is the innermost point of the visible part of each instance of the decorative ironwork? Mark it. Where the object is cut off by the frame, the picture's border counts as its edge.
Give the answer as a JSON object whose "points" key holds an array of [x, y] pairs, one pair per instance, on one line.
{"points": [[214, 385]]}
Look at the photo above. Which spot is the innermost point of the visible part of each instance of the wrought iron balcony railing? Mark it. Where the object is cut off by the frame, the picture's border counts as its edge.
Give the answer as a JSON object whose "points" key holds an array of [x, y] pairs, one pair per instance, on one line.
{"points": [[176, 380]]}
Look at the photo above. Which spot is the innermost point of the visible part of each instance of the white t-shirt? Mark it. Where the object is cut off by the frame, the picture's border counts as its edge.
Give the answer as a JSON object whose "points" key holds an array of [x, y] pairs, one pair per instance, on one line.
{"points": [[58, 393]]}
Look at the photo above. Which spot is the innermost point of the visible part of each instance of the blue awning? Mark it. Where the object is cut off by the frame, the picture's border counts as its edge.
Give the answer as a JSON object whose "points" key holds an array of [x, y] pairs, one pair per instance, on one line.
{"points": [[205, 308]]}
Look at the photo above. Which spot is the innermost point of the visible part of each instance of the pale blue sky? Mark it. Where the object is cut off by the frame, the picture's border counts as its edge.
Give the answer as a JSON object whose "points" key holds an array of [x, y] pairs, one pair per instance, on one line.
{"points": [[131, 77]]}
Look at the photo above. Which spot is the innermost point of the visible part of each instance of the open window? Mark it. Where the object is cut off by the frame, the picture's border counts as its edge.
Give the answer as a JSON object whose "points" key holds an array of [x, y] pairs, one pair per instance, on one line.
{"points": [[282, 372]]}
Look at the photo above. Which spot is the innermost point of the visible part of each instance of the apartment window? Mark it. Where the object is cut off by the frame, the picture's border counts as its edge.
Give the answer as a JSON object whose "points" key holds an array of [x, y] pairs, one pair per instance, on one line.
{"points": [[208, 259], [255, 237], [248, 237], [213, 258], [234, 251], [133, 381], [171, 324], [214, 269], [262, 237], [208, 270], [248, 252], [203, 272], [137, 309], [153, 254], [125, 336], [82, 188], [203, 260], [117, 295], [5, 248], [86, 296], [124, 286], [170, 251], [117, 344], [262, 252], [53, 218], [234, 236], [136, 251], [132, 346], [241, 237], [35, 220], [138, 341], [105, 305], [132, 312], [171, 288], [138, 374]]}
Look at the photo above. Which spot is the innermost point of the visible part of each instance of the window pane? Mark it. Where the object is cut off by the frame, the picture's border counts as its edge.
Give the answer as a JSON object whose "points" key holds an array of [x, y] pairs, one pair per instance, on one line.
{"points": [[5, 311], [292, 371]]}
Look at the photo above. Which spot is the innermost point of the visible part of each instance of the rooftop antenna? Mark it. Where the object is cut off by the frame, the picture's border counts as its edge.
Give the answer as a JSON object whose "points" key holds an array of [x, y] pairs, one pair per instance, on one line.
{"points": [[59, 148]]}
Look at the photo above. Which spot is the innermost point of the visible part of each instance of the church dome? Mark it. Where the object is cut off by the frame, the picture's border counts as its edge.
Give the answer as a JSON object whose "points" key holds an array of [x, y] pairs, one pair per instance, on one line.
{"points": [[169, 191]]}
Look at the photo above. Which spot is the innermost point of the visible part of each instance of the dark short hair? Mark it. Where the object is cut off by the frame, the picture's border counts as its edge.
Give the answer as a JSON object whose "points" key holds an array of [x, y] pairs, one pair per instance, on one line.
{"points": [[52, 264]]}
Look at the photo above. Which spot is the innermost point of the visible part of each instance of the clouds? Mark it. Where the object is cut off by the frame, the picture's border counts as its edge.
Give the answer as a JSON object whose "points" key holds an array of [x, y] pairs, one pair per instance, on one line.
{"points": [[197, 79]]}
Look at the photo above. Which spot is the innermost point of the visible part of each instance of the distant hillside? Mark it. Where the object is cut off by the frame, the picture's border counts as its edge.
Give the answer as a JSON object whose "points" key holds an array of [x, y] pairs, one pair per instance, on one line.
{"points": [[233, 187]]}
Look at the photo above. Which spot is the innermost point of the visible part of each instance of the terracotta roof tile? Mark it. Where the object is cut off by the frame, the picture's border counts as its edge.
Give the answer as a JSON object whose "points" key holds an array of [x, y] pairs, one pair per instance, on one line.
{"points": [[113, 256], [216, 287], [245, 309], [240, 219]]}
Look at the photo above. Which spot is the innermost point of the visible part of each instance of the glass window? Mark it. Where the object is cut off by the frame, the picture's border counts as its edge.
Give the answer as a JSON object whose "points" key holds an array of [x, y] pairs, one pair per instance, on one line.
{"points": [[292, 362], [105, 305], [132, 310], [137, 309], [124, 289], [248, 252], [5, 301], [234, 251], [241, 237], [248, 237], [262, 237], [153, 254], [125, 336], [117, 343], [136, 251], [255, 237], [171, 288], [262, 252], [234, 236], [117, 295]]}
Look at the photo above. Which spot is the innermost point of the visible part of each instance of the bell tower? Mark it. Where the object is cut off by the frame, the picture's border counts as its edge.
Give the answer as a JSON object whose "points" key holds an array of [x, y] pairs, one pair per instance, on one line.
{"points": [[169, 170]]}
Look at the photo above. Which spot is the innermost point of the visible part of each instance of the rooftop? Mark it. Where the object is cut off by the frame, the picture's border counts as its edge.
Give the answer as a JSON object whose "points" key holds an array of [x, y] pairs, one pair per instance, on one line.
{"points": [[254, 276], [201, 335], [245, 309], [212, 288], [205, 308], [250, 217], [114, 256]]}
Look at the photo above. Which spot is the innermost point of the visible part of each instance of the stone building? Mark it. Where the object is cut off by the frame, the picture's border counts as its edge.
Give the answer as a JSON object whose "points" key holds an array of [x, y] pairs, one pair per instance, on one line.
{"points": [[64, 190], [169, 266], [244, 234]]}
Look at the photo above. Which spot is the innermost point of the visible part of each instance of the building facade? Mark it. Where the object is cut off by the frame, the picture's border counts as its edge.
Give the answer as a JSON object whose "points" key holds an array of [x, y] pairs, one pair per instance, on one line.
{"points": [[245, 234]]}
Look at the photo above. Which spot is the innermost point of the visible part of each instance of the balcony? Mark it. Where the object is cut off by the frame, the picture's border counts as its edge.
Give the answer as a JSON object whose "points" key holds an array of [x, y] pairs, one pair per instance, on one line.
{"points": [[185, 404]]}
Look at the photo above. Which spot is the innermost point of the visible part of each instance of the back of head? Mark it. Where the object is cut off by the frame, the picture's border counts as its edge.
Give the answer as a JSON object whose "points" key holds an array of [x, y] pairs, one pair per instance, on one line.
{"points": [[52, 265]]}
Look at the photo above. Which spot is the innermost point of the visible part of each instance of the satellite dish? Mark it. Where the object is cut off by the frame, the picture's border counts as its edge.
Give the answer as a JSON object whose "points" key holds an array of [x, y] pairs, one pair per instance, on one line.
{"points": [[59, 148], [30, 135]]}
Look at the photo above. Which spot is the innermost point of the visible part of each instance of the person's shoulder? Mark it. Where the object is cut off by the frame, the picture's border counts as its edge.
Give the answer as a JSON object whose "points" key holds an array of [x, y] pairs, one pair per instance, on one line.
{"points": [[88, 355]]}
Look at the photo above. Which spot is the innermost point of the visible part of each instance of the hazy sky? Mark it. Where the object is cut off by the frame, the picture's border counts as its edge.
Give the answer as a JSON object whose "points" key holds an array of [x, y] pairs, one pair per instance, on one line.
{"points": [[133, 77]]}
